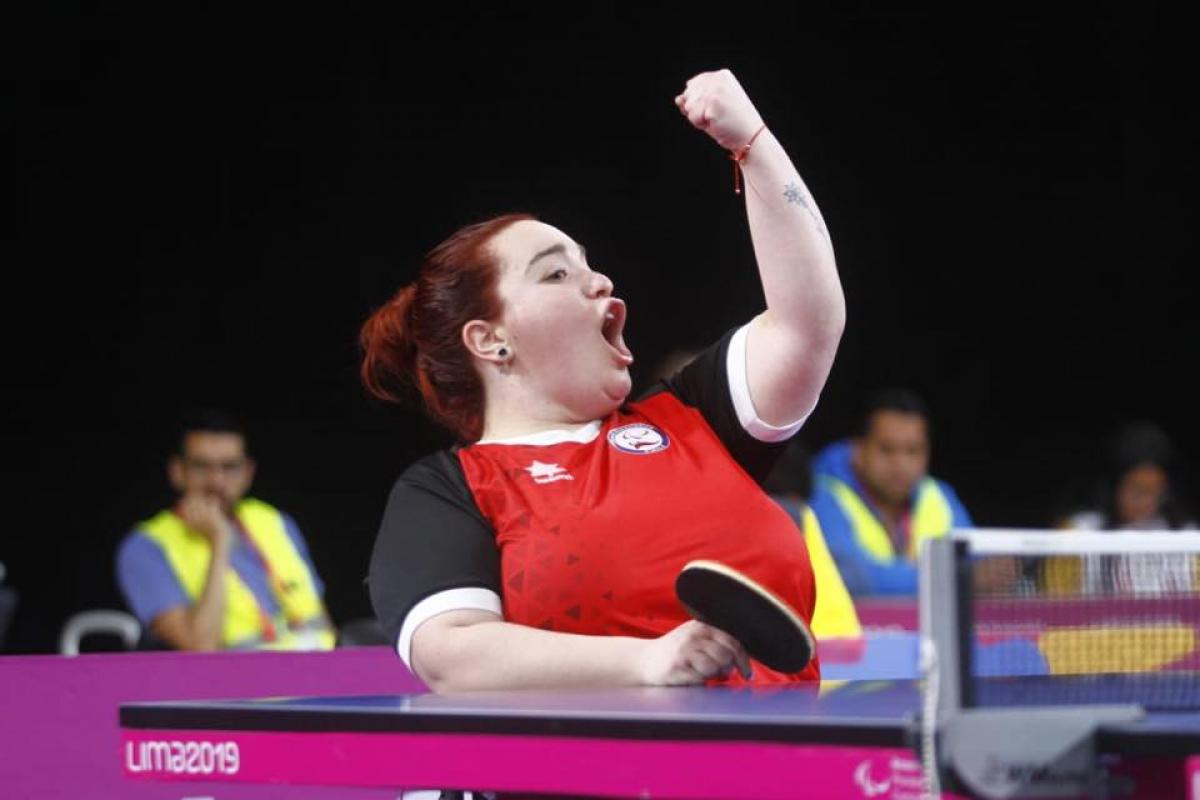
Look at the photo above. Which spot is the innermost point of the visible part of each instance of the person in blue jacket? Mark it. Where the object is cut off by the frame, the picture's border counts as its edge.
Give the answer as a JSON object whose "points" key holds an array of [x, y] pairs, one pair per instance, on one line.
{"points": [[876, 501]]}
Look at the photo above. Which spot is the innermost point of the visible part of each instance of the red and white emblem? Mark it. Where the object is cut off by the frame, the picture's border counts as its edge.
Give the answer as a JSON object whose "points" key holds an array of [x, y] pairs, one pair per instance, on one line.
{"points": [[638, 438]]}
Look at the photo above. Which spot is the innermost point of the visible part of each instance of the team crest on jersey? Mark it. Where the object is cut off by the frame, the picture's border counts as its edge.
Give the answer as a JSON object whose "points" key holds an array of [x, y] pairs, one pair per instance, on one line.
{"points": [[547, 473], [638, 438]]}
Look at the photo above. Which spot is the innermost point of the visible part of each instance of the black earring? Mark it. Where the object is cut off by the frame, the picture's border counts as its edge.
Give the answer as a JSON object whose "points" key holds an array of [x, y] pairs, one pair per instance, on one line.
{"points": [[502, 352]]}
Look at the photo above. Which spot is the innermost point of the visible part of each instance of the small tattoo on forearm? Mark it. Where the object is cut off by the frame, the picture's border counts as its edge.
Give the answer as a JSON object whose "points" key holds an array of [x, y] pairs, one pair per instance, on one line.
{"points": [[794, 194]]}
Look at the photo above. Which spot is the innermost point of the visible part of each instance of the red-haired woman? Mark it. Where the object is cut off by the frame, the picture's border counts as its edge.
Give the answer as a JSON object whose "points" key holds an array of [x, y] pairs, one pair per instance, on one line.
{"points": [[542, 552]]}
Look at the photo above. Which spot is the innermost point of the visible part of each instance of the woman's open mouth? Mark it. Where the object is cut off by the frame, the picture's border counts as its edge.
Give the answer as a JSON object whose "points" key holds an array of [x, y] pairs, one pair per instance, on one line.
{"points": [[612, 329]]}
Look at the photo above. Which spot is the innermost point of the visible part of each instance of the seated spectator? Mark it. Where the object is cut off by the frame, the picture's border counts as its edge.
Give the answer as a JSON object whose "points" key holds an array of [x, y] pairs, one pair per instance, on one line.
{"points": [[789, 485], [1135, 493], [220, 569], [876, 501]]}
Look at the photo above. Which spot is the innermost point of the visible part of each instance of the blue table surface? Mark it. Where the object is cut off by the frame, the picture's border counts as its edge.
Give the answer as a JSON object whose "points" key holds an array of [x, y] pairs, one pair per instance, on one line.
{"points": [[853, 702]]}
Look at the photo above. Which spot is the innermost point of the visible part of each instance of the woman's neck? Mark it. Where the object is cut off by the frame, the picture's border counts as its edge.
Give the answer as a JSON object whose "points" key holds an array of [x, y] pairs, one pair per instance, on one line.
{"points": [[511, 417]]}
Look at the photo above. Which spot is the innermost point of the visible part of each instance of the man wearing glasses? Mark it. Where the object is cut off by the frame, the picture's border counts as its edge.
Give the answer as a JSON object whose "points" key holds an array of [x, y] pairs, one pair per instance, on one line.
{"points": [[220, 569]]}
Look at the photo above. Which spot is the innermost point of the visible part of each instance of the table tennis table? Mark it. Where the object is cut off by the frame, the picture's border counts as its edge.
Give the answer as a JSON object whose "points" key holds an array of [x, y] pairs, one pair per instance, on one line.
{"points": [[837, 739]]}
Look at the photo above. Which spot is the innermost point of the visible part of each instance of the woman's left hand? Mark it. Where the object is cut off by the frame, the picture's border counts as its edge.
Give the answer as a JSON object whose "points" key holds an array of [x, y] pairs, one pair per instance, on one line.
{"points": [[718, 105]]}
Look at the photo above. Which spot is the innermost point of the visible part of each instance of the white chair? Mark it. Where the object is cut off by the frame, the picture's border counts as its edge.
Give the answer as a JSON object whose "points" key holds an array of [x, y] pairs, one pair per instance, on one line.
{"points": [[98, 621]]}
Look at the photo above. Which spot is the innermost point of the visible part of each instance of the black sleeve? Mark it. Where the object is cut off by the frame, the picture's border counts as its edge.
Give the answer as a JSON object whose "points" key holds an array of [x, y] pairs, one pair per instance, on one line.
{"points": [[703, 384], [432, 538]]}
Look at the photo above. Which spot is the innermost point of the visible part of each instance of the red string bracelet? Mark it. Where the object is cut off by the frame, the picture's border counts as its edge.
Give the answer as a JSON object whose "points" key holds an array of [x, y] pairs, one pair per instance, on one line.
{"points": [[738, 156]]}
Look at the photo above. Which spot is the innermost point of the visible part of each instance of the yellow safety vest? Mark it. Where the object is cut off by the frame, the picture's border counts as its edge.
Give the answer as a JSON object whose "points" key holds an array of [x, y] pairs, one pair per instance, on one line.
{"points": [[931, 518], [301, 623], [834, 615]]}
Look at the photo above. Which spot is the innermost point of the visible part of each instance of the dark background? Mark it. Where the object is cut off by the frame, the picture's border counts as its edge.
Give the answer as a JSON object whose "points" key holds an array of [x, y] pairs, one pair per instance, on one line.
{"points": [[206, 207]]}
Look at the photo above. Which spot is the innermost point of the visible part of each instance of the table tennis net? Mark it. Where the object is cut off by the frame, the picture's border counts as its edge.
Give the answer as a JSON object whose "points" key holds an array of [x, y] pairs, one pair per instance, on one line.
{"points": [[1086, 627]]}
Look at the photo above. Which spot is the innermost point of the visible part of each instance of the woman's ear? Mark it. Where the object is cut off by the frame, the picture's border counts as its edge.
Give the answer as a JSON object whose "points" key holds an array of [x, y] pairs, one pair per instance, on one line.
{"points": [[486, 342]]}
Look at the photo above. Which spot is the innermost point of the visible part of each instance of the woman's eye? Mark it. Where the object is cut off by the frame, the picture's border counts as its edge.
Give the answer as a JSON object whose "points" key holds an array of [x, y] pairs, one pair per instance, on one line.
{"points": [[556, 275]]}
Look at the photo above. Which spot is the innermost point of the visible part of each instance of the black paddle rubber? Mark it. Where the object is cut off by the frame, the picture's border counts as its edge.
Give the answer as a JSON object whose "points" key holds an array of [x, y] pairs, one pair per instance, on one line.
{"points": [[766, 626]]}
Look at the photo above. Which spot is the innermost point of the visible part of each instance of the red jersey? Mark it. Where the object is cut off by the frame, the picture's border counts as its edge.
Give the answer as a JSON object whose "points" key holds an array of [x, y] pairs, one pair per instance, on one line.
{"points": [[588, 529]]}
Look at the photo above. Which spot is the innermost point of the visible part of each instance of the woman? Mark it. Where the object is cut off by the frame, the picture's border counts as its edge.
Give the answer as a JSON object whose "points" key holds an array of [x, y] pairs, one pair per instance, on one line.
{"points": [[1135, 494], [1136, 491], [543, 552]]}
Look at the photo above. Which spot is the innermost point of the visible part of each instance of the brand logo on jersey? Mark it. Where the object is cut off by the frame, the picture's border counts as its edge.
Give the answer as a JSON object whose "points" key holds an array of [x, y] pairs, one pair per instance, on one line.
{"points": [[547, 473], [638, 438]]}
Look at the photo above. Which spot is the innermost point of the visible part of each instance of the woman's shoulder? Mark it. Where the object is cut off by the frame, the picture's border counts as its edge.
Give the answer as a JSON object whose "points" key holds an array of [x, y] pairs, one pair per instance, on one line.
{"points": [[438, 473], [438, 464], [431, 490]]}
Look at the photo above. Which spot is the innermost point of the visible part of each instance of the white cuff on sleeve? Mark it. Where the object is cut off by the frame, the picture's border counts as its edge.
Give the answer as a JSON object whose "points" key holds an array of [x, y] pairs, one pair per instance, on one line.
{"points": [[449, 600], [739, 388]]}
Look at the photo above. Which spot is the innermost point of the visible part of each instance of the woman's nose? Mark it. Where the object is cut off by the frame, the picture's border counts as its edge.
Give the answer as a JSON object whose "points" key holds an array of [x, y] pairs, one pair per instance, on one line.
{"points": [[600, 285]]}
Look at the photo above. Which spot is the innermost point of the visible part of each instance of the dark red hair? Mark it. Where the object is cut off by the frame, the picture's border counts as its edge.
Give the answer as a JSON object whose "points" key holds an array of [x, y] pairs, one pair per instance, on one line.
{"points": [[416, 337]]}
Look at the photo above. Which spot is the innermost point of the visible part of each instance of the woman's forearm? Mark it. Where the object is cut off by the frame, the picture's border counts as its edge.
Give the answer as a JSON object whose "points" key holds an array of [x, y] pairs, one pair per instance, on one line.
{"points": [[475, 650], [792, 246], [790, 346], [501, 655]]}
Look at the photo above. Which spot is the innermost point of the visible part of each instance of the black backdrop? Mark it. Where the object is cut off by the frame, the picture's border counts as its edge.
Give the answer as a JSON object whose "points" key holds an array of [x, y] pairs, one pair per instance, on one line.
{"points": [[207, 206]]}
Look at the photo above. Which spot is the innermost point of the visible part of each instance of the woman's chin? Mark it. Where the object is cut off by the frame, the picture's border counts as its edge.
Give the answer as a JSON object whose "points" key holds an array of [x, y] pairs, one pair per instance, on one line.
{"points": [[619, 389], [613, 392], [595, 398]]}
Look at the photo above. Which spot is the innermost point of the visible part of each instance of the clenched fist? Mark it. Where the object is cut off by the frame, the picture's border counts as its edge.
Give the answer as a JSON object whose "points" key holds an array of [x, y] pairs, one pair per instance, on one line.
{"points": [[718, 105]]}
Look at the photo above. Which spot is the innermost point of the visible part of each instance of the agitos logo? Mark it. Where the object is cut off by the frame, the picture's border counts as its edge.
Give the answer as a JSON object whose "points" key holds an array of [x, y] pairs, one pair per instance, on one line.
{"points": [[869, 786], [183, 758], [899, 778]]}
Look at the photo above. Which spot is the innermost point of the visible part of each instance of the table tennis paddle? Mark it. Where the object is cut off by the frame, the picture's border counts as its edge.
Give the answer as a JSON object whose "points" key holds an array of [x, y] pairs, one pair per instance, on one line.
{"points": [[770, 630]]}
